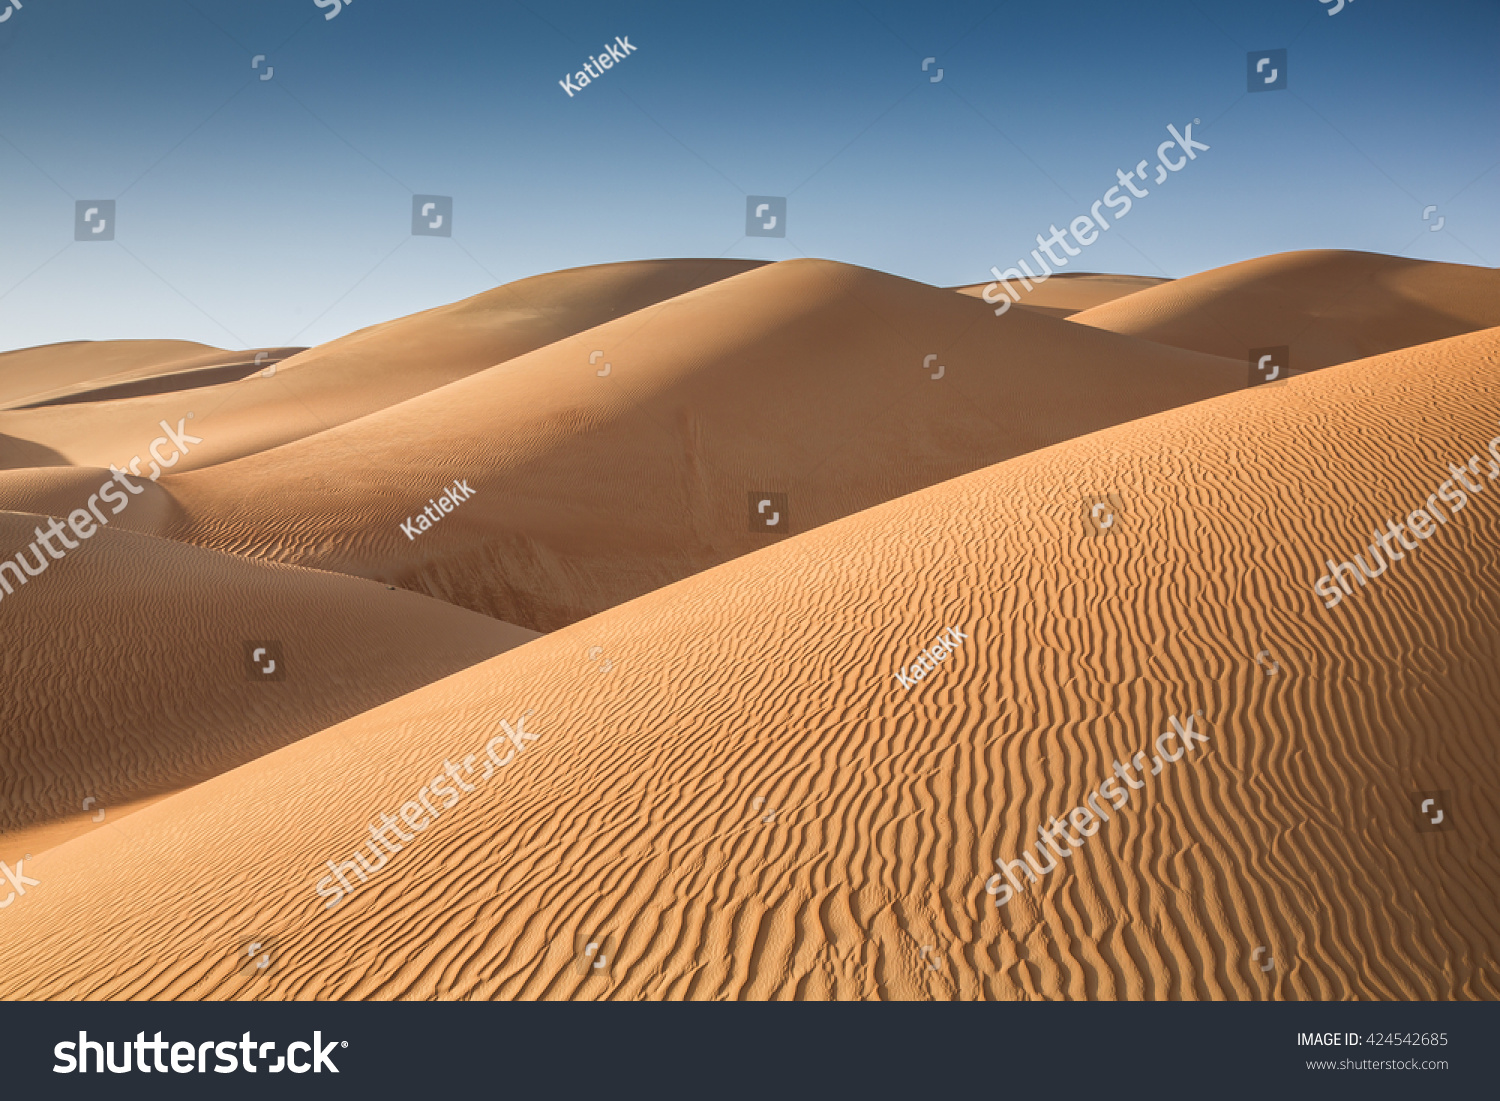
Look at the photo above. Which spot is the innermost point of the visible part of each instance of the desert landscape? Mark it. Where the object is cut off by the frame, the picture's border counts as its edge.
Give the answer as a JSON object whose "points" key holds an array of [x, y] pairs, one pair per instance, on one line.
{"points": [[638, 709]]}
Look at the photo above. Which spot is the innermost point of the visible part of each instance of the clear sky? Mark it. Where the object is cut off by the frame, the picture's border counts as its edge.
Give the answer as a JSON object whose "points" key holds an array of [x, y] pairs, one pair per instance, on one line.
{"points": [[256, 212]]}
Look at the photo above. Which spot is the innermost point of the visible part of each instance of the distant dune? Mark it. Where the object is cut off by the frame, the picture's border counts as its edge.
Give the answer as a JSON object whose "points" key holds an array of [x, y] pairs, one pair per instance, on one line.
{"points": [[748, 804], [125, 674], [353, 376], [50, 367], [836, 386], [1326, 306], [1066, 293], [172, 376]]}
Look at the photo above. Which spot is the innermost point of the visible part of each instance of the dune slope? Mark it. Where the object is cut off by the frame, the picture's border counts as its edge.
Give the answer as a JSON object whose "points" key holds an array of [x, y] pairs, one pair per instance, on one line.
{"points": [[818, 387], [126, 676], [354, 375], [174, 377], [748, 804], [1326, 306], [26, 372]]}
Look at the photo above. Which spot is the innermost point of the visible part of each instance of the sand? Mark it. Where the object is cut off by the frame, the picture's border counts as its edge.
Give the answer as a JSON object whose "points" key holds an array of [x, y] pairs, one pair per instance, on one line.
{"points": [[806, 378], [126, 676], [748, 805], [716, 776], [350, 377], [27, 372], [1326, 306], [1067, 293]]}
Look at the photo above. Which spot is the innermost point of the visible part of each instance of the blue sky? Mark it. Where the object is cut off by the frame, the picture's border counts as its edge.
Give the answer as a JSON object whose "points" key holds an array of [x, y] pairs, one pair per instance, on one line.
{"points": [[260, 212]]}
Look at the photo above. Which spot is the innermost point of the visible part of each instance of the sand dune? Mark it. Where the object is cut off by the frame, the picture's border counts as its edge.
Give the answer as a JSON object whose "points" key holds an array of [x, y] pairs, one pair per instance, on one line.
{"points": [[355, 375], [126, 678], [749, 805], [807, 378], [30, 371], [1066, 293], [1327, 306], [193, 374], [58, 490]]}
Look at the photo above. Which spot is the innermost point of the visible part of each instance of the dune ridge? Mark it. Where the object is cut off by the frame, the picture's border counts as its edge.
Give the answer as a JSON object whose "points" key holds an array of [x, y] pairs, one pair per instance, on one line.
{"points": [[25, 372], [835, 386], [1065, 293], [355, 375], [1328, 306]]}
